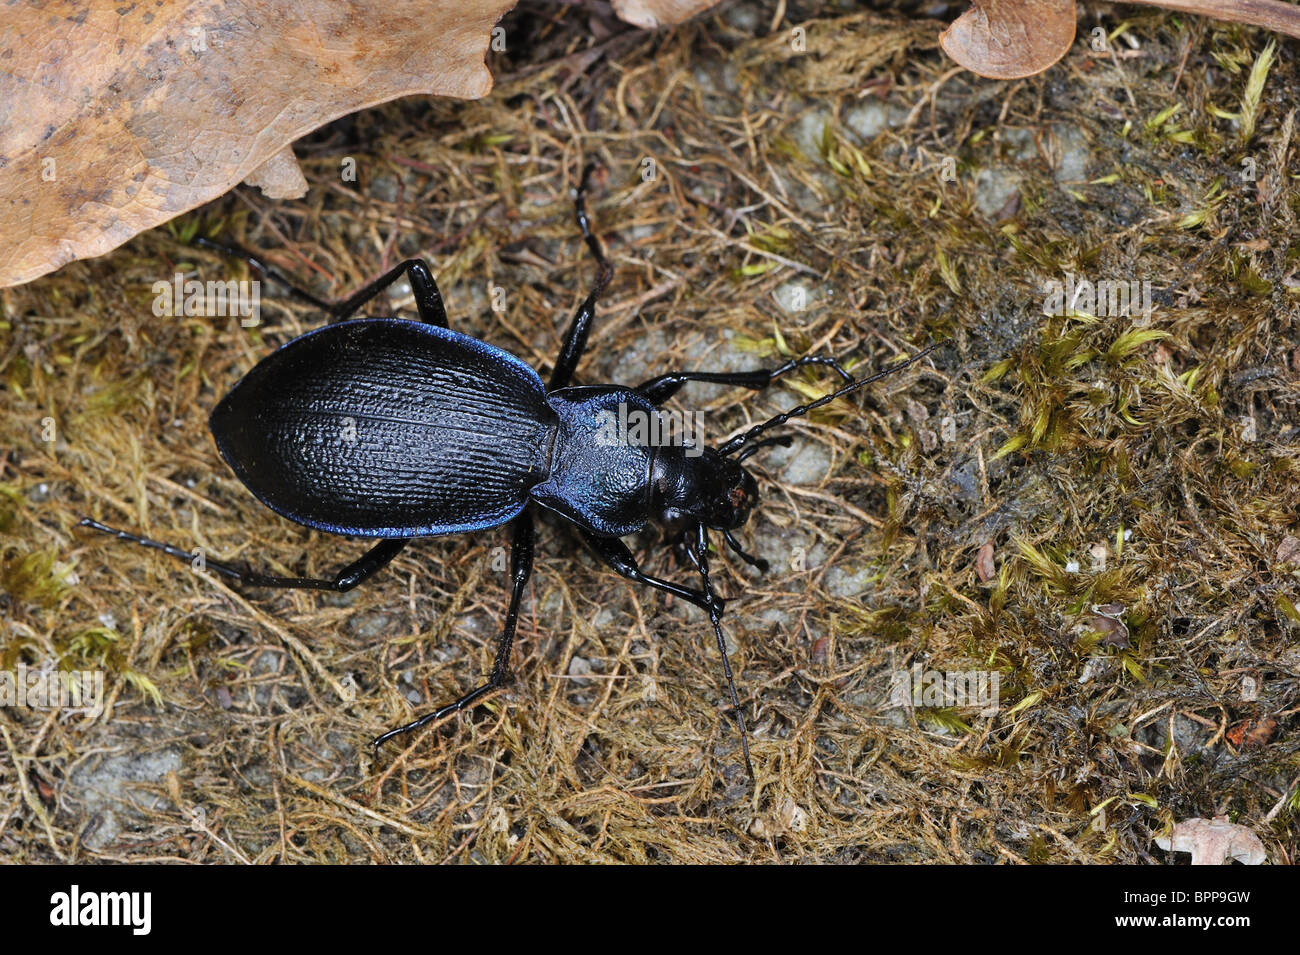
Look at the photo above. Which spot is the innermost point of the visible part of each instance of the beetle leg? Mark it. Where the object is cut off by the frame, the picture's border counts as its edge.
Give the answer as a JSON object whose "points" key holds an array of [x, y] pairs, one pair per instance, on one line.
{"points": [[659, 390], [354, 573], [239, 252], [615, 553], [686, 548], [744, 555], [575, 342], [521, 568], [427, 297]]}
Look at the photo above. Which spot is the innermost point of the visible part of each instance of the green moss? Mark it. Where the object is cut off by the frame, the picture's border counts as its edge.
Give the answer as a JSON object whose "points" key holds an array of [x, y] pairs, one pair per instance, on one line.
{"points": [[38, 577]]}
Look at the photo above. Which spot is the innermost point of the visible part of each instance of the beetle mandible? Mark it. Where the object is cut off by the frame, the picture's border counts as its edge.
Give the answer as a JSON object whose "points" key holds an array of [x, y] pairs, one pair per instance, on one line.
{"points": [[396, 429]]}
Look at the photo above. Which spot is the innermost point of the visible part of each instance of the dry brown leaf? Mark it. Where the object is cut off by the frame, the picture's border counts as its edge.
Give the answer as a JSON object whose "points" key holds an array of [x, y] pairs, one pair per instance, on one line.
{"points": [[1277, 15], [1010, 39], [984, 565], [650, 14], [1105, 621], [1250, 734], [116, 116], [1214, 842], [786, 817]]}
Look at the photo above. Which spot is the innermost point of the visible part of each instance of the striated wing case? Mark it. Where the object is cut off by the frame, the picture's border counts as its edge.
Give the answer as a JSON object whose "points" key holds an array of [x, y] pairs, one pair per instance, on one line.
{"points": [[388, 428]]}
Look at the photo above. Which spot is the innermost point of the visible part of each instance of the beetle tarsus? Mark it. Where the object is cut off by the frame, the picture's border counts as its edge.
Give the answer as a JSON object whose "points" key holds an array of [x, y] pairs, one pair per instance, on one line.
{"points": [[428, 300], [350, 576], [521, 568], [442, 712], [744, 555], [575, 342], [423, 285]]}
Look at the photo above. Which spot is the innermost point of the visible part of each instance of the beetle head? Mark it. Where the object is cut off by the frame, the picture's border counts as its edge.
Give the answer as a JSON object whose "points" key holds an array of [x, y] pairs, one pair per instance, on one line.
{"points": [[703, 488], [736, 496]]}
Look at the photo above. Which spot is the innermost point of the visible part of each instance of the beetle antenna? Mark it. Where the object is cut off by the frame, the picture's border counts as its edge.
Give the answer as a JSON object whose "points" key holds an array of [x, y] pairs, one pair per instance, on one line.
{"points": [[784, 441], [715, 614], [740, 440]]}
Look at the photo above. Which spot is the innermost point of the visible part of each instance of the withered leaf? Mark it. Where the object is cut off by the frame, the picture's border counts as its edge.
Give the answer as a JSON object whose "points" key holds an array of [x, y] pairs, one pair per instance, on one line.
{"points": [[1010, 39], [1214, 842], [1249, 734], [649, 14], [1105, 620], [116, 116]]}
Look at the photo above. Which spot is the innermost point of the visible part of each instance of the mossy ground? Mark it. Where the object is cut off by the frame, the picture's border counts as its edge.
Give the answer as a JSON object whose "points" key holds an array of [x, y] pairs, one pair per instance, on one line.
{"points": [[969, 514]]}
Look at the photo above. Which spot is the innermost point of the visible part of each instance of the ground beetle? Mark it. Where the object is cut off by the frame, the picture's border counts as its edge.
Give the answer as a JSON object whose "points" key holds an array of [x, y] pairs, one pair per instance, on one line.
{"points": [[395, 429]]}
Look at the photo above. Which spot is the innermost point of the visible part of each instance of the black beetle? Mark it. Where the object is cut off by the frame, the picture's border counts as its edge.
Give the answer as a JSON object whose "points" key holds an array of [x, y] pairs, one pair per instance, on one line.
{"points": [[396, 429]]}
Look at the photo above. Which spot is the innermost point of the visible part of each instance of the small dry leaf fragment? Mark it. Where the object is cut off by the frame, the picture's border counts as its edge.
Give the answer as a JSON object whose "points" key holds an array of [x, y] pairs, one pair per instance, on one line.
{"points": [[1008, 209], [1095, 668], [651, 14], [649, 688], [792, 817], [280, 177], [173, 787], [1214, 842], [819, 650], [1250, 734], [984, 563], [787, 816], [1011, 39], [1249, 429], [1100, 554], [1249, 689], [1288, 552], [43, 789], [1105, 621]]}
